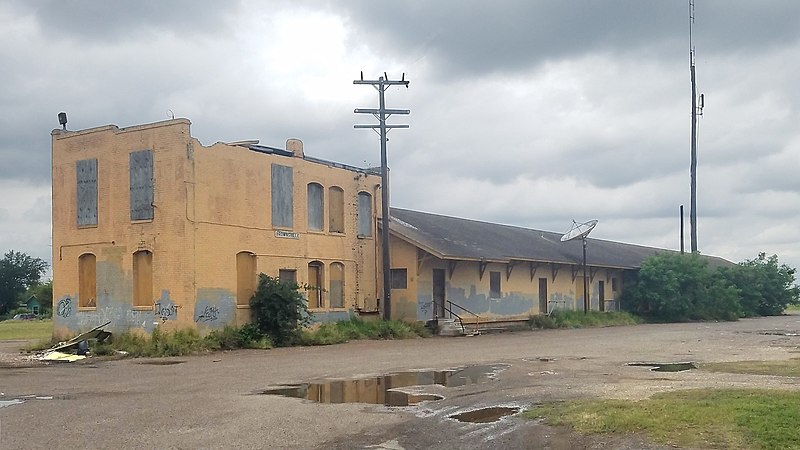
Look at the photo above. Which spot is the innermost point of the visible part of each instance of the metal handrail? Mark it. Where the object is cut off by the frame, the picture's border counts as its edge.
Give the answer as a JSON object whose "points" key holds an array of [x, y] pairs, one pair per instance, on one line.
{"points": [[477, 317]]}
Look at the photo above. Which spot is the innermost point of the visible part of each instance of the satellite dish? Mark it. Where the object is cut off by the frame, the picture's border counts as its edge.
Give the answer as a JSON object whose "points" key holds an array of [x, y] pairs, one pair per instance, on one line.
{"points": [[579, 230]]}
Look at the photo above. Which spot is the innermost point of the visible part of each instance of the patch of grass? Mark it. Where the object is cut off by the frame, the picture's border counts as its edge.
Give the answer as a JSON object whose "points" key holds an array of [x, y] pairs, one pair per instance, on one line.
{"points": [[579, 319], [17, 330], [784, 368], [180, 342], [792, 309], [705, 418], [354, 329]]}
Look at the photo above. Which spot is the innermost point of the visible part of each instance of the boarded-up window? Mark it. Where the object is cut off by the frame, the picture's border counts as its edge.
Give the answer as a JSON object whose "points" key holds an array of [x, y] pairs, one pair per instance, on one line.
{"points": [[87, 281], [245, 277], [364, 214], [282, 200], [143, 278], [288, 276], [399, 278], [337, 285], [141, 177], [336, 206], [494, 285], [316, 208], [315, 284], [86, 171]]}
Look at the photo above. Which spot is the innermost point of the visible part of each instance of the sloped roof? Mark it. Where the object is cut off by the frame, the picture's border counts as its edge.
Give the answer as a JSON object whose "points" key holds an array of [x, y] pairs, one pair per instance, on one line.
{"points": [[463, 239]]}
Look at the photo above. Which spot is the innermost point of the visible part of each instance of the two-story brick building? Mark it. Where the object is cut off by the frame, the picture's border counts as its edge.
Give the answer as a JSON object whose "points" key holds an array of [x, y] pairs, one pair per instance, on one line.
{"points": [[150, 228]]}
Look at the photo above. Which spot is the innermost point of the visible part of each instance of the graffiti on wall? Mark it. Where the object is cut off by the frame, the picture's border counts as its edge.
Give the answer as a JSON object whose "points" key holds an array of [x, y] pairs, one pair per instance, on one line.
{"points": [[209, 314], [166, 311], [64, 307]]}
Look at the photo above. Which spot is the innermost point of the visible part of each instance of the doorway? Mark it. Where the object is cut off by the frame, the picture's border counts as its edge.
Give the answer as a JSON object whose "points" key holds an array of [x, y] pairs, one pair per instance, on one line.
{"points": [[601, 294], [438, 293], [542, 295]]}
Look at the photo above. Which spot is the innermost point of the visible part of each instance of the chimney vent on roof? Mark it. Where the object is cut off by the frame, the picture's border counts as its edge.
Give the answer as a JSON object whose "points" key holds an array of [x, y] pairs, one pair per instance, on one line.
{"points": [[62, 120], [295, 146]]}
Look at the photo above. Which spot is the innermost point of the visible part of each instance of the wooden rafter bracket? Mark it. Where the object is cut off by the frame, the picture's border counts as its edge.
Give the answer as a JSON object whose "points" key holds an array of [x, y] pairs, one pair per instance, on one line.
{"points": [[592, 273], [451, 267], [575, 269], [533, 266], [554, 269], [482, 267], [509, 269]]}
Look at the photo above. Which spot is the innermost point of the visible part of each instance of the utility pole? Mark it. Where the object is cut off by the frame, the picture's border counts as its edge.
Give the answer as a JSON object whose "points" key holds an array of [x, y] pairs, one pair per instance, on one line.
{"points": [[381, 84], [697, 110]]}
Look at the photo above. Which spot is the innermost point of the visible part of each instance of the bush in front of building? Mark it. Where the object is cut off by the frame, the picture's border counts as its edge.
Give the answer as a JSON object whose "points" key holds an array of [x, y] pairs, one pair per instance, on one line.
{"points": [[279, 311], [674, 287]]}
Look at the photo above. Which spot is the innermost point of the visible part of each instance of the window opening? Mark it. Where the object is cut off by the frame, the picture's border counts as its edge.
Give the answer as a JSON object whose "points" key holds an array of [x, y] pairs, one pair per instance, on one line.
{"points": [[336, 213], [364, 214], [494, 285], [143, 278], [315, 284], [87, 281], [337, 285]]}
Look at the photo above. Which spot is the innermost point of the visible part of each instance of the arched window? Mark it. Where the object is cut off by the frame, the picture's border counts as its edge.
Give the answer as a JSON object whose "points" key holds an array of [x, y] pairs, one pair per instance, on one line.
{"points": [[364, 214], [336, 295], [316, 208], [143, 278], [316, 284], [245, 277], [336, 206], [87, 281]]}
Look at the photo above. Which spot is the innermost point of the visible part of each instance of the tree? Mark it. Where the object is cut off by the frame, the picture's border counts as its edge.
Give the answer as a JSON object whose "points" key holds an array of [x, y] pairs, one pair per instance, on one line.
{"points": [[676, 287], [766, 286], [18, 272]]}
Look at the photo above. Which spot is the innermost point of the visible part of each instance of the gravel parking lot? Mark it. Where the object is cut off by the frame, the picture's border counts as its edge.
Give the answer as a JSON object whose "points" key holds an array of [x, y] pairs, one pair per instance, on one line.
{"points": [[214, 401]]}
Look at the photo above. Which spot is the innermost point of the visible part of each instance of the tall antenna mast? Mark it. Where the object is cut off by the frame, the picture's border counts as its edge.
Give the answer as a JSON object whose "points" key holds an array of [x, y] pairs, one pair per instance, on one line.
{"points": [[695, 112]]}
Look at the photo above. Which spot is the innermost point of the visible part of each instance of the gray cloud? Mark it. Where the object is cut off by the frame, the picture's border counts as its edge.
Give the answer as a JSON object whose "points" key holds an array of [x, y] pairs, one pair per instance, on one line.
{"points": [[530, 113]]}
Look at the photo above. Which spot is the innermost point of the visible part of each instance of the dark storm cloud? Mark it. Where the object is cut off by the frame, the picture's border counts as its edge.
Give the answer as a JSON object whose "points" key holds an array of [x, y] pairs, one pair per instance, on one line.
{"points": [[477, 37], [112, 20]]}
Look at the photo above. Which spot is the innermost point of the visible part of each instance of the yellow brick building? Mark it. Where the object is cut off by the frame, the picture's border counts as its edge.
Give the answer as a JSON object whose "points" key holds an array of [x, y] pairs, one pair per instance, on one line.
{"points": [[150, 228]]}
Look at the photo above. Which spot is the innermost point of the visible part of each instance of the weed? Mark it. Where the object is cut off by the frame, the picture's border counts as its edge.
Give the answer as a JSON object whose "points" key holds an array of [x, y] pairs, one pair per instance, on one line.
{"points": [[579, 319], [354, 329]]}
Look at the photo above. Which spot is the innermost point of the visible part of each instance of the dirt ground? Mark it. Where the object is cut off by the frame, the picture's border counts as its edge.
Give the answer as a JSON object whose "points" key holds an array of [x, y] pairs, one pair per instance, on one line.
{"points": [[212, 401]]}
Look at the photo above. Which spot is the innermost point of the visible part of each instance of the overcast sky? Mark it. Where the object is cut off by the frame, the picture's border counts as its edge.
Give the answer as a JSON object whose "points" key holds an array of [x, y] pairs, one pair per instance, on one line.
{"points": [[530, 113]]}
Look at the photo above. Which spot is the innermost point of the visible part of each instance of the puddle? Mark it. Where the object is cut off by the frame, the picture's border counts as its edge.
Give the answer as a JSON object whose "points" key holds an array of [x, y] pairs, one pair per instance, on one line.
{"points": [[485, 415], [158, 362], [16, 401], [666, 367], [385, 389]]}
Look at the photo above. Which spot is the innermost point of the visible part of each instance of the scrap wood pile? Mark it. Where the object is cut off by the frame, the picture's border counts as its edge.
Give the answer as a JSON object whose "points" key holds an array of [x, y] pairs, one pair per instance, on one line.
{"points": [[75, 348]]}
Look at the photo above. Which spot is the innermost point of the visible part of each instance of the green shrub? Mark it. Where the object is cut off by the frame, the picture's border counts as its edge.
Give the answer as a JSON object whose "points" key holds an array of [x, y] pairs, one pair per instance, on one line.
{"points": [[674, 287], [278, 311], [232, 338], [766, 286]]}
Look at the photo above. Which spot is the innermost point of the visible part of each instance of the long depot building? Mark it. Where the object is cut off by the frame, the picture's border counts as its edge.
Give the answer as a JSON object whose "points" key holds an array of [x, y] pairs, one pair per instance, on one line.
{"points": [[151, 228]]}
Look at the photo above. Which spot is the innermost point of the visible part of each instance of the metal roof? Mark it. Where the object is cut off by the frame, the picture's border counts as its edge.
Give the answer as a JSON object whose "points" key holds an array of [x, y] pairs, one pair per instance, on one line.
{"points": [[463, 239]]}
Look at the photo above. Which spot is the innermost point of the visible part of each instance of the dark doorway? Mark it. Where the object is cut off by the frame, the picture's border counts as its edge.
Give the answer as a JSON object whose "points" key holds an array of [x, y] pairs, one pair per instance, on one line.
{"points": [[542, 295], [601, 293], [438, 293]]}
